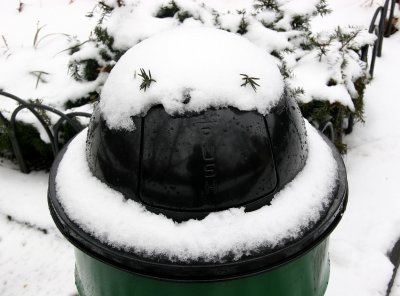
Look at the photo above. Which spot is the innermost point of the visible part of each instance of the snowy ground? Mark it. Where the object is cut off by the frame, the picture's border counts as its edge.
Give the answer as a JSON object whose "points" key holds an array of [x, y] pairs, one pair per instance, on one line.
{"points": [[371, 224], [36, 260]]}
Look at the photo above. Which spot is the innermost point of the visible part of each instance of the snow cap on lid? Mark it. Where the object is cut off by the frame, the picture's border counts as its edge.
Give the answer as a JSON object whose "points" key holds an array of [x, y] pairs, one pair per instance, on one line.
{"points": [[191, 69]]}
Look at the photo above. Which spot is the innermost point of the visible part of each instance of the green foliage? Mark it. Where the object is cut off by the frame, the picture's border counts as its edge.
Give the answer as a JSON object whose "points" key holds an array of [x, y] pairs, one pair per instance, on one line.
{"points": [[250, 80], [360, 85], [147, 80], [168, 10], [320, 112], [345, 38], [182, 15], [37, 154], [300, 22], [41, 111], [322, 44], [87, 70], [74, 70], [105, 10], [91, 70], [286, 72], [243, 24], [297, 91], [90, 98], [266, 4], [67, 132], [172, 9], [322, 8], [103, 37]]}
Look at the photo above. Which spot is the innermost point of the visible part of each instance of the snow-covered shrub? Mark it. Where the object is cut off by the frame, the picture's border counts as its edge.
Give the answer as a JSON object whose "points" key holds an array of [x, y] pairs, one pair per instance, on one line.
{"points": [[331, 77], [324, 69]]}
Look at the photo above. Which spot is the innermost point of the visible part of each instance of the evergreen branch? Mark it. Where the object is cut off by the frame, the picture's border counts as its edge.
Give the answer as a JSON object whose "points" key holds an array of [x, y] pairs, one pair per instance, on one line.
{"points": [[168, 10], [42, 112], [346, 38], [250, 80], [74, 69], [323, 8], [147, 80], [321, 43], [105, 10], [243, 23], [266, 4], [286, 72]]}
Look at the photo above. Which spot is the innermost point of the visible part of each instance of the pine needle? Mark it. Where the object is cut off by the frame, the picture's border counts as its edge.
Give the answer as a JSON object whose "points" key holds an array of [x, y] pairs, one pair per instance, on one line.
{"points": [[250, 80], [147, 79]]}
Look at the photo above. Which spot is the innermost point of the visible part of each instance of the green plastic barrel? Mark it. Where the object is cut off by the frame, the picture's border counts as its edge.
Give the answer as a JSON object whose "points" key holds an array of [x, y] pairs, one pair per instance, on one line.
{"points": [[305, 276]]}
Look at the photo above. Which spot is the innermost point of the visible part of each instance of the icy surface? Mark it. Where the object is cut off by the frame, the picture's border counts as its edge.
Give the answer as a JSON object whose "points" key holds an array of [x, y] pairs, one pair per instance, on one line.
{"points": [[103, 212], [193, 68]]}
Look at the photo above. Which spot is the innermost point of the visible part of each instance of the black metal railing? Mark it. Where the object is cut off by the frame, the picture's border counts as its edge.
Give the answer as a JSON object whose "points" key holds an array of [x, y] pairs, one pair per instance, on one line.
{"points": [[382, 28], [53, 132]]}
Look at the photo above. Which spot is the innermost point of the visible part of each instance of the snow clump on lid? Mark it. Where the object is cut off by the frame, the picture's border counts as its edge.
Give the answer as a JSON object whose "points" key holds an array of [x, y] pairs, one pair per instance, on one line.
{"points": [[189, 70]]}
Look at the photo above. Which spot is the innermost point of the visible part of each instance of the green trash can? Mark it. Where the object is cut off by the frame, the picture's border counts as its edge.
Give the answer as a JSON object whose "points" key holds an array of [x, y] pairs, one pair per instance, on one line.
{"points": [[306, 275], [183, 167]]}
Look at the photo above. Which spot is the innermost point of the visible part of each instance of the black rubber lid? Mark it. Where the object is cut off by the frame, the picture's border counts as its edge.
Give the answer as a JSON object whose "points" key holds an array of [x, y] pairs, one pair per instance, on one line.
{"points": [[255, 261], [186, 166]]}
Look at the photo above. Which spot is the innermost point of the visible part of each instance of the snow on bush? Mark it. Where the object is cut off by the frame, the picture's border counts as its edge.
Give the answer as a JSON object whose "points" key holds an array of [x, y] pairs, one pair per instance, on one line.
{"points": [[279, 27], [68, 72]]}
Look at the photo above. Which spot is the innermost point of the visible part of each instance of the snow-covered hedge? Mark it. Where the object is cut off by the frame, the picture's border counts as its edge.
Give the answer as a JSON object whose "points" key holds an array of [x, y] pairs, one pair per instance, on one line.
{"points": [[324, 69]]}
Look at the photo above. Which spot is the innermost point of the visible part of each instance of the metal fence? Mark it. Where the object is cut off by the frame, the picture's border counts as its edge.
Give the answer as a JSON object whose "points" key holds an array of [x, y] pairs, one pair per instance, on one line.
{"points": [[51, 131]]}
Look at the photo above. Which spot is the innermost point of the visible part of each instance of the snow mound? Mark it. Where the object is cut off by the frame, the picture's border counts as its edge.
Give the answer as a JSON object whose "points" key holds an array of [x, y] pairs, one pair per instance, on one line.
{"points": [[194, 69], [126, 224]]}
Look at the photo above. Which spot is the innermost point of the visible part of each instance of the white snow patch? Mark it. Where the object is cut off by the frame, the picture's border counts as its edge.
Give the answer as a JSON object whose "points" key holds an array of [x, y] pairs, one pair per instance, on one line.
{"points": [[268, 39], [138, 22], [314, 77], [203, 63], [126, 224], [30, 198], [293, 8], [33, 263]]}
